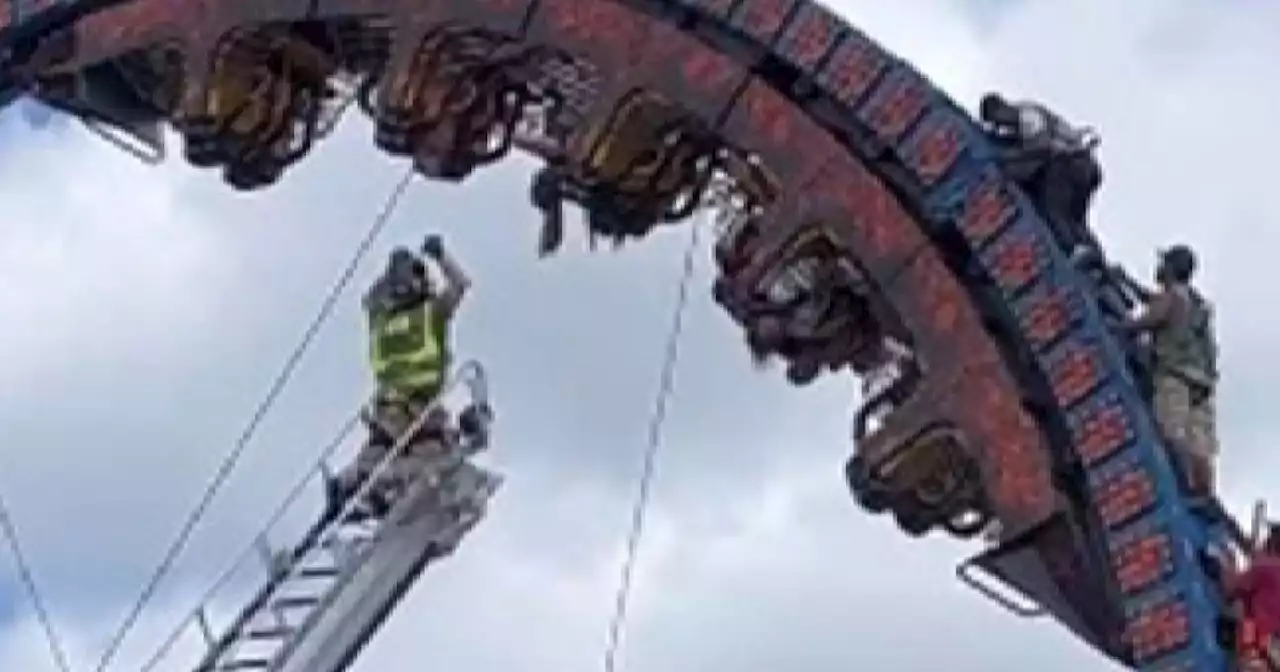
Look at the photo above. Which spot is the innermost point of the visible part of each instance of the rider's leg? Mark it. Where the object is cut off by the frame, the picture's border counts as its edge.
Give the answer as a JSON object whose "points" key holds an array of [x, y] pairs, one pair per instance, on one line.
{"points": [[547, 194], [1086, 174], [1062, 196]]}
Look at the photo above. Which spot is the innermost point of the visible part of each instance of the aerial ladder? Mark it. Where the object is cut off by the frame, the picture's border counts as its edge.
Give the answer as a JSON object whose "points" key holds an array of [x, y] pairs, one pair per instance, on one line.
{"points": [[322, 599]]}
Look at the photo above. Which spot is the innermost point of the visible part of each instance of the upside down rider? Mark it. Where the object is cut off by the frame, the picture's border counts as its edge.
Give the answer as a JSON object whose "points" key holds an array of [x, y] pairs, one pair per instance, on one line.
{"points": [[1054, 162], [1051, 159], [409, 322]]}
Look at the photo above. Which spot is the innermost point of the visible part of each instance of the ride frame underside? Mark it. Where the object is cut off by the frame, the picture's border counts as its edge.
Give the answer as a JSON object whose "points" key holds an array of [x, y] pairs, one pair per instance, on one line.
{"points": [[860, 148]]}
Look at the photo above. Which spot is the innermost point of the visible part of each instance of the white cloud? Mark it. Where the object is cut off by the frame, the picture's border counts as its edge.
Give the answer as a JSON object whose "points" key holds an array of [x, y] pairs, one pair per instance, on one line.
{"points": [[96, 264], [757, 559]]}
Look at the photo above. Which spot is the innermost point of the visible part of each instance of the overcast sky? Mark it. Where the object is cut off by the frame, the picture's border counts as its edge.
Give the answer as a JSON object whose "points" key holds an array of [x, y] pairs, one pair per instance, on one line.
{"points": [[145, 310]]}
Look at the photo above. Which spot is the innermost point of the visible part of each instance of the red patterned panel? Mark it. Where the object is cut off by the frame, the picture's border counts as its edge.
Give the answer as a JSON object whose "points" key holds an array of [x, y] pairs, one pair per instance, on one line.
{"points": [[986, 211], [761, 19], [875, 227], [987, 404], [788, 141], [809, 36], [5, 17], [1014, 262], [1045, 315], [940, 301], [854, 67], [1100, 430], [1142, 562], [604, 31], [984, 400], [1158, 630], [934, 148], [1074, 371], [703, 79], [900, 103], [988, 407], [1120, 498]]}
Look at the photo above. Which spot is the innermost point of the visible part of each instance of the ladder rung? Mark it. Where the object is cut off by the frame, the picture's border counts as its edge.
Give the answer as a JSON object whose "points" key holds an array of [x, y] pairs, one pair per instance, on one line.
{"points": [[296, 602], [247, 664], [316, 573], [271, 633]]}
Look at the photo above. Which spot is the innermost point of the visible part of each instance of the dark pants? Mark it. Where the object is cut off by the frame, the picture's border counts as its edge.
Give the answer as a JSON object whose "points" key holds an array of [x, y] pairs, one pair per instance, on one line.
{"points": [[392, 420], [1063, 189]]}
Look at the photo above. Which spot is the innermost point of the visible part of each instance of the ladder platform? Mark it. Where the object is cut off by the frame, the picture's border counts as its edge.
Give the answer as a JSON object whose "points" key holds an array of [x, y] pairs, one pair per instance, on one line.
{"points": [[322, 600]]}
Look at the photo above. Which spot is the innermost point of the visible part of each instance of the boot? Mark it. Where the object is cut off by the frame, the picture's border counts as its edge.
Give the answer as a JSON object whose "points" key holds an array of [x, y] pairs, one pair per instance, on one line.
{"points": [[376, 504], [335, 495]]}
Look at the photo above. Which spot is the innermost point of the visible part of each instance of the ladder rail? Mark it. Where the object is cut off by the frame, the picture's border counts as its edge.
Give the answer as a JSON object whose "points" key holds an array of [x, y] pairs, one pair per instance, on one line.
{"points": [[470, 372], [200, 611], [231, 640], [346, 569], [409, 516], [367, 632], [345, 629], [231, 634], [407, 510]]}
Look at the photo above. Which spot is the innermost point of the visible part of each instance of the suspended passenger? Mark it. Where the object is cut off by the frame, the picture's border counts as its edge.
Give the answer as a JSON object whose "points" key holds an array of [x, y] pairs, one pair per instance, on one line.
{"points": [[609, 212], [1256, 593], [884, 364], [547, 192], [409, 320], [1051, 160], [1178, 323]]}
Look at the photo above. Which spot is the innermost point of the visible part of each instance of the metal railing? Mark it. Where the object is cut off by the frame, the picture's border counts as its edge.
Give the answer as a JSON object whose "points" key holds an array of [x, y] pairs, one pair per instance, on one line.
{"points": [[280, 569]]}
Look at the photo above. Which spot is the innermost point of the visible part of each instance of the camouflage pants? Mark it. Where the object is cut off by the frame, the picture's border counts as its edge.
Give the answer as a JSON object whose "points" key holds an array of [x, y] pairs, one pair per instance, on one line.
{"points": [[1188, 422]]}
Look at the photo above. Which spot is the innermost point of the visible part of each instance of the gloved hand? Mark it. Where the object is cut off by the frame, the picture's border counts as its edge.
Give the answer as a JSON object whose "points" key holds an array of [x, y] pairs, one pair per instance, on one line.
{"points": [[433, 246]]}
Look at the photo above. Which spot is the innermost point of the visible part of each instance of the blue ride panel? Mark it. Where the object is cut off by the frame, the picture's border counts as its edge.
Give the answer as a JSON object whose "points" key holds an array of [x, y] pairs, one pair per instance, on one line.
{"points": [[1152, 541], [1147, 541]]}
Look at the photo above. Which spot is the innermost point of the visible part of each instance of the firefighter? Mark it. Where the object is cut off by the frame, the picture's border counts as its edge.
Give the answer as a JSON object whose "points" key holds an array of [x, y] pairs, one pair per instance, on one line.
{"points": [[409, 320]]}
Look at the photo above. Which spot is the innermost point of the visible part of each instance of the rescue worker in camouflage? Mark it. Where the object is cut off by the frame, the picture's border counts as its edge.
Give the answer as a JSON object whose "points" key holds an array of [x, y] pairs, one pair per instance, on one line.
{"points": [[1052, 160], [409, 322], [1178, 322]]}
